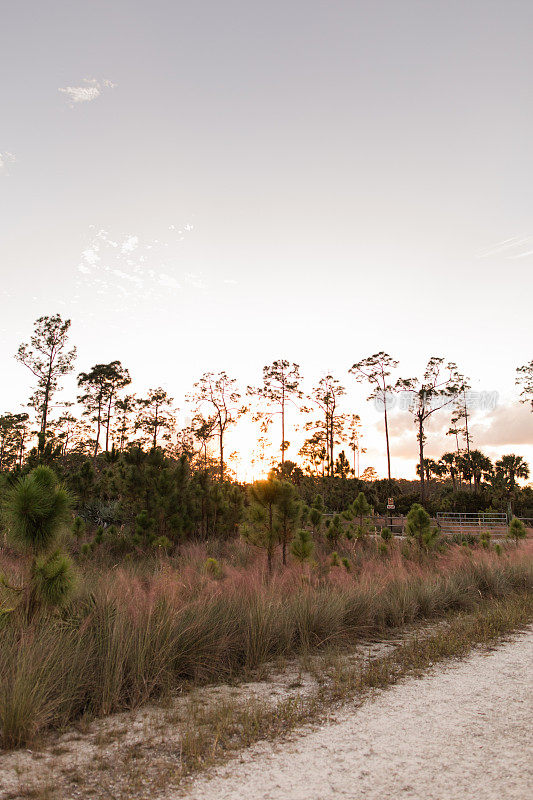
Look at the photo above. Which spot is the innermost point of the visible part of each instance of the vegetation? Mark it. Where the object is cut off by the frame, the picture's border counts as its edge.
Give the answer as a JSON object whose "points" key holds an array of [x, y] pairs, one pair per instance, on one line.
{"points": [[37, 512], [138, 630], [133, 561], [116, 431]]}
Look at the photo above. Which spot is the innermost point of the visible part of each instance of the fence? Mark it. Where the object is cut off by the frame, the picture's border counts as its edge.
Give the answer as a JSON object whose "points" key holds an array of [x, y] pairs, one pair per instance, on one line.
{"points": [[475, 523]]}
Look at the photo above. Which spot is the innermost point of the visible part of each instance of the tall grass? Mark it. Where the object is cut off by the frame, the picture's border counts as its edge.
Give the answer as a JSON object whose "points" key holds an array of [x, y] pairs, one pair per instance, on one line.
{"points": [[136, 632]]}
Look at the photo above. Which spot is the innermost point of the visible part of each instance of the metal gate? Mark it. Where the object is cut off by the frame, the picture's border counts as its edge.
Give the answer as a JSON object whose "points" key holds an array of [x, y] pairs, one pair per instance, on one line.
{"points": [[475, 522]]}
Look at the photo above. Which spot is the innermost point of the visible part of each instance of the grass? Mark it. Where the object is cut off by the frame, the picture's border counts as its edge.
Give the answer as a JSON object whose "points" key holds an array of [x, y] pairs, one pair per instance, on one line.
{"points": [[193, 735], [212, 734], [133, 634]]}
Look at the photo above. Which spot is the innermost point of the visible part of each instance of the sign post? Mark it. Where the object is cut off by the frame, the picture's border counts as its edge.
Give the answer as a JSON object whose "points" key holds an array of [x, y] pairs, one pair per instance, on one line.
{"points": [[390, 507]]}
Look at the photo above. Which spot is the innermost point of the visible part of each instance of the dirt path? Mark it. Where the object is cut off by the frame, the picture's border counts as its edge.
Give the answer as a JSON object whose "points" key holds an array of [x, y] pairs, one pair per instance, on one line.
{"points": [[464, 732]]}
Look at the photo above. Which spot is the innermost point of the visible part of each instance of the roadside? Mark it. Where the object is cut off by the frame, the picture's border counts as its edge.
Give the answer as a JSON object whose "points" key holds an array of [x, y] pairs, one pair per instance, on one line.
{"points": [[463, 732], [151, 752]]}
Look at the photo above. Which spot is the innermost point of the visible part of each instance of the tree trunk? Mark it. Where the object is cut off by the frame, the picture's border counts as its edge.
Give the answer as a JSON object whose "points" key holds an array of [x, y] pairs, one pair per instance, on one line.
{"points": [[283, 427], [270, 547], [221, 466], [98, 426], [387, 436], [21, 450], [466, 428], [156, 425], [108, 422], [331, 440], [421, 451]]}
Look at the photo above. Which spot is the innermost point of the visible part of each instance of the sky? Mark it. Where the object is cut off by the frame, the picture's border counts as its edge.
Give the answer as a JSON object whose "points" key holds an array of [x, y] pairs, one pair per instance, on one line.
{"points": [[206, 186]]}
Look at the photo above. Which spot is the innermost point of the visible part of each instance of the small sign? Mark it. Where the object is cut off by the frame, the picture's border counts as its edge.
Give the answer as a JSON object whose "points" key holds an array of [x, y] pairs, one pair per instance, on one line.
{"points": [[390, 504]]}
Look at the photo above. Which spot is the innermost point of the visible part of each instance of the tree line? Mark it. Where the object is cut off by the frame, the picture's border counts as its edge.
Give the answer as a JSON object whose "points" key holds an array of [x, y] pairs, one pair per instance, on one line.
{"points": [[113, 420]]}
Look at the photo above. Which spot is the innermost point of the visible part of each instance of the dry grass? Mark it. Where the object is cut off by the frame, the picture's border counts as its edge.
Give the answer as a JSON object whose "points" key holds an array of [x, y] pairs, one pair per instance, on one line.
{"points": [[211, 734], [135, 633], [204, 729]]}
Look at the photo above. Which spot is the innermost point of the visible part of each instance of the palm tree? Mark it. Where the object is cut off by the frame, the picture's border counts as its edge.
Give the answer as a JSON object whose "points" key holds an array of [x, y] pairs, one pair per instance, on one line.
{"points": [[431, 468], [448, 464], [481, 467], [511, 467], [464, 466]]}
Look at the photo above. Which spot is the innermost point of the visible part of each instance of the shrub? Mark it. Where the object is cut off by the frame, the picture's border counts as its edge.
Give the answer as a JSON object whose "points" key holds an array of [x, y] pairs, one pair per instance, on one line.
{"points": [[162, 543], [517, 529], [302, 545], [418, 526], [485, 540], [212, 567], [37, 513], [334, 530], [361, 508]]}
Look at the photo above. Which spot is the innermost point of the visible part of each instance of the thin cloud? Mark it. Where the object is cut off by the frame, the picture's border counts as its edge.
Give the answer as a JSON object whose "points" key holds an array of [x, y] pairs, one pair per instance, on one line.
{"points": [[89, 91], [129, 244], [136, 269], [515, 247], [196, 281], [506, 426], [5, 160]]}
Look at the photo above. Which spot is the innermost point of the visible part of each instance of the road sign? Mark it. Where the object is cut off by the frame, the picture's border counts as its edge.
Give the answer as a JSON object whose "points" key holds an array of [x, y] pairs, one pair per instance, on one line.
{"points": [[390, 504]]}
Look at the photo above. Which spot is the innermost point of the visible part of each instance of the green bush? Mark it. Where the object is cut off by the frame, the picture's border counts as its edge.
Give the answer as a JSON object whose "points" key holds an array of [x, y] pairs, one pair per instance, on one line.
{"points": [[302, 545], [37, 515], [418, 526], [517, 529], [213, 568]]}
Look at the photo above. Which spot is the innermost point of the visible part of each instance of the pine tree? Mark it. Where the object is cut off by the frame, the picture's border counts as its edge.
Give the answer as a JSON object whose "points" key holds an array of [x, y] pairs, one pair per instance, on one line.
{"points": [[517, 529], [281, 388], [263, 526], [155, 418], [37, 513], [438, 388], [48, 359], [326, 396], [361, 508], [100, 386], [13, 433], [376, 370], [289, 512], [302, 546], [334, 531], [418, 526], [219, 396]]}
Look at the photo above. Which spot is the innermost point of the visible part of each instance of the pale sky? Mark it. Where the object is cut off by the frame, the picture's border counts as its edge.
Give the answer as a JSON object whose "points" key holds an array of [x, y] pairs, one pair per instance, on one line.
{"points": [[204, 186]]}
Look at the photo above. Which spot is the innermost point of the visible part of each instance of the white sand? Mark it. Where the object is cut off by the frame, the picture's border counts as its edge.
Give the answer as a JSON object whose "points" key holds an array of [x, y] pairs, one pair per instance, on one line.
{"points": [[464, 732]]}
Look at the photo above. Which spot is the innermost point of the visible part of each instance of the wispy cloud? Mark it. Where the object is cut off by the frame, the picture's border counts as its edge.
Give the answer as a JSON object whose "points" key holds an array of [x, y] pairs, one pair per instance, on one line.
{"points": [[5, 160], [135, 269], [88, 91], [515, 247]]}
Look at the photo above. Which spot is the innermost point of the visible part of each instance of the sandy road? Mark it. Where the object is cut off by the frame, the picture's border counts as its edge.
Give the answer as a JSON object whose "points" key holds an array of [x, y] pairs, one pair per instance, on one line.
{"points": [[462, 733]]}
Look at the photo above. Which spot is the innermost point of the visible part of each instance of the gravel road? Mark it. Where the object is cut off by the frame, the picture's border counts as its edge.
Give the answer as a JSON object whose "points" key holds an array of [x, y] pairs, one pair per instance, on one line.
{"points": [[461, 733]]}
